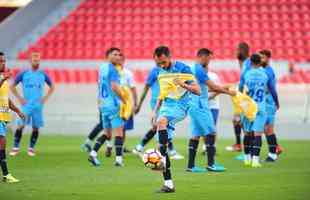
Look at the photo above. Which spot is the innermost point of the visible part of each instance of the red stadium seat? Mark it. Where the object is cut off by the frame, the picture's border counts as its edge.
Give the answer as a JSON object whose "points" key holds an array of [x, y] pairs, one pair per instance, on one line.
{"points": [[186, 24]]}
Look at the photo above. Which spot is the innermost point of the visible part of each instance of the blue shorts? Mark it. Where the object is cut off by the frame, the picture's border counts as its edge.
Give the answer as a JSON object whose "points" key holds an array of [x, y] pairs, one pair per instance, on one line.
{"points": [[173, 111], [215, 114], [129, 124], [202, 122], [258, 125], [34, 116], [111, 120], [3, 128]]}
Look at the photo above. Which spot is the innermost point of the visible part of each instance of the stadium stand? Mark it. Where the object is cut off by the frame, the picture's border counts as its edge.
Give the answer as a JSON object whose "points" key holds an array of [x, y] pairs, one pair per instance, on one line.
{"points": [[185, 25]]}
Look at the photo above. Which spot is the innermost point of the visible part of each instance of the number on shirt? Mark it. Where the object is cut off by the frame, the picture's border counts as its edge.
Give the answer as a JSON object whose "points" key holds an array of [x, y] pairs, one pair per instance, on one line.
{"points": [[257, 95]]}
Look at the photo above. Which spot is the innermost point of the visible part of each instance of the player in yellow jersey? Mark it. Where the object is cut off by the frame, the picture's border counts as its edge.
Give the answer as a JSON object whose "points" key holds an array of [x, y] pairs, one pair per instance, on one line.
{"points": [[5, 105]]}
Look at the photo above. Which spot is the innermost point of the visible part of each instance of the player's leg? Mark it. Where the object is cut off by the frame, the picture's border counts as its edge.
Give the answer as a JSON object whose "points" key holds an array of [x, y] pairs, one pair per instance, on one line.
{"points": [[19, 131], [145, 140], [258, 129], [129, 125], [237, 132], [118, 144], [173, 153], [247, 141], [192, 150], [109, 147], [272, 143], [100, 141], [163, 143], [215, 115], [37, 123], [86, 146], [3, 164]]}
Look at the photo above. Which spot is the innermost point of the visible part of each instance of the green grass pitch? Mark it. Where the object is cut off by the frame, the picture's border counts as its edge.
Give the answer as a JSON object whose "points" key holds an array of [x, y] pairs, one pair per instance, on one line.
{"points": [[61, 171]]}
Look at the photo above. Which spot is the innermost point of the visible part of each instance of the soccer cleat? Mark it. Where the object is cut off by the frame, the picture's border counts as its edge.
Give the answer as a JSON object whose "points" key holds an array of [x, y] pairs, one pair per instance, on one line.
{"points": [[269, 159], [235, 147], [14, 152], [174, 155], [108, 152], [240, 157], [86, 147], [94, 161], [138, 150], [196, 170], [165, 189], [279, 149], [31, 152], [256, 165], [216, 168], [10, 179], [247, 163], [119, 164]]}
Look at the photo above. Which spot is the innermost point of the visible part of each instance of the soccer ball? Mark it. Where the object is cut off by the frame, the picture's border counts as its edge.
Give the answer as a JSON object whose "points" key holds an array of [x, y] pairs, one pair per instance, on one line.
{"points": [[152, 159]]}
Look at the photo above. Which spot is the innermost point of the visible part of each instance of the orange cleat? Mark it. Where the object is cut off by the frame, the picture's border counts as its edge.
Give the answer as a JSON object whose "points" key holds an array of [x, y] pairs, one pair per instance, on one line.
{"points": [[235, 147]]}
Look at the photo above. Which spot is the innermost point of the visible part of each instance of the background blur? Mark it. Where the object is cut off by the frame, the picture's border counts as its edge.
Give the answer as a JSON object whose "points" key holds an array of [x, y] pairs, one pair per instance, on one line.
{"points": [[73, 36]]}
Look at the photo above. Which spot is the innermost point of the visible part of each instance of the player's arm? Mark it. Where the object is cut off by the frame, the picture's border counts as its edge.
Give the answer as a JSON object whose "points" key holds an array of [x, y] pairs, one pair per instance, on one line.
{"points": [[51, 88], [118, 91], [142, 97], [13, 107], [155, 111], [219, 89], [134, 96], [273, 91], [17, 80], [213, 96]]}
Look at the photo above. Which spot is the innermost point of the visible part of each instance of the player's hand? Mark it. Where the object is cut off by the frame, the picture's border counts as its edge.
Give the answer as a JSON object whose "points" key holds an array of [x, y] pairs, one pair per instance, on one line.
{"points": [[178, 81], [21, 115], [232, 92]]}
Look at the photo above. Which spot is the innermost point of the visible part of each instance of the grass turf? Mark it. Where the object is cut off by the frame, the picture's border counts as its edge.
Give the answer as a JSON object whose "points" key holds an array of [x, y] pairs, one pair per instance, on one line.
{"points": [[61, 171]]}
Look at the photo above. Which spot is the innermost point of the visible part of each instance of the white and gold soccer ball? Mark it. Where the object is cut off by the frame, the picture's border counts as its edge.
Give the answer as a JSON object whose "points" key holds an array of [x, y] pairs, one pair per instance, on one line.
{"points": [[152, 158]]}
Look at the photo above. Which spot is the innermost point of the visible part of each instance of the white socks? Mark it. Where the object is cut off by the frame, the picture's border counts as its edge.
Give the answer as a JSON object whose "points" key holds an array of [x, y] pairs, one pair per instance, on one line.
{"points": [[109, 143], [273, 156]]}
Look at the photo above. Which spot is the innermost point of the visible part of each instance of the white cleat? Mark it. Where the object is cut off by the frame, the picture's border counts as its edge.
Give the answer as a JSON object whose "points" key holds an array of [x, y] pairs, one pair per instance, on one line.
{"points": [[31, 152], [14, 152], [174, 155], [138, 150]]}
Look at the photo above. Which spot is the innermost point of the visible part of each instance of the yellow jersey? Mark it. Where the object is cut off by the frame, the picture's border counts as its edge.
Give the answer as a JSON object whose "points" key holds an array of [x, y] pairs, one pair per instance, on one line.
{"points": [[244, 104], [4, 102], [167, 87]]}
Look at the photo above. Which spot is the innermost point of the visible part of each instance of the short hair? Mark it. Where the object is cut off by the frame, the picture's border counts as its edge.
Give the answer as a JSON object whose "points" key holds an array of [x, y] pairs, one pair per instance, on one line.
{"points": [[266, 52], [204, 52], [1, 53], [255, 59], [162, 50], [110, 50], [245, 46]]}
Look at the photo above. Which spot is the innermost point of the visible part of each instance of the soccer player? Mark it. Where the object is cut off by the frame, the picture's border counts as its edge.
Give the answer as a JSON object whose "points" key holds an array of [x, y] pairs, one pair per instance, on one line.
{"points": [[214, 103], [256, 81], [271, 110], [202, 122], [5, 105], [243, 52], [169, 110], [110, 97], [33, 83], [127, 81], [152, 83]]}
